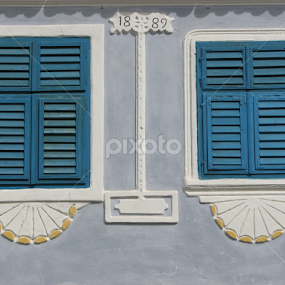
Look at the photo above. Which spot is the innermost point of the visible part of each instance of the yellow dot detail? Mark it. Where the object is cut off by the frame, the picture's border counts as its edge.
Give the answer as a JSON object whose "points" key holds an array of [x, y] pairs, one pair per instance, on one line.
{"points": [[213, 210], [246, 239], [72, 211], [65, 224], [277, 234], [40, 239], [24, 240], [261, 239], [220, 223], [9, 235], [55, 233], [231, 234]]}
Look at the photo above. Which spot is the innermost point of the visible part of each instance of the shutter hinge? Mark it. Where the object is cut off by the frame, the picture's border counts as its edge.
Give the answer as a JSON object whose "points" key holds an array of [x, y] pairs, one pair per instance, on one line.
{"points": [[203, 80], [202, 165]]}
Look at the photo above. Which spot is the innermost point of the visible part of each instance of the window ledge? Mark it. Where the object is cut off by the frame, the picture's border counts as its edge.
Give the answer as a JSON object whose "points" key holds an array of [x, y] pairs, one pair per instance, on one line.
{"points": [[197, 187]]}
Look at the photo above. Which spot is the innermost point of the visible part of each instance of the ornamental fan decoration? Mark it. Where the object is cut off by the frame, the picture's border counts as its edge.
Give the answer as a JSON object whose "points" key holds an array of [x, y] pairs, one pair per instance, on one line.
{"points": [[249, 219], [28, 223]]}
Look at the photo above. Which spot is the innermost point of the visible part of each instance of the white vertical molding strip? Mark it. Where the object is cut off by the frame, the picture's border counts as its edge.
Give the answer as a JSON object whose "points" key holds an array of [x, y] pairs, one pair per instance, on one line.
{"points": [[141, 205], [140, 112]]}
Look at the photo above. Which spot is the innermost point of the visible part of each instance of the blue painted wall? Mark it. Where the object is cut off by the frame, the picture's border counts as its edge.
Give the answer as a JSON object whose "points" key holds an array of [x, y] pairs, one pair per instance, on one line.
{"points": [[194, 251]]}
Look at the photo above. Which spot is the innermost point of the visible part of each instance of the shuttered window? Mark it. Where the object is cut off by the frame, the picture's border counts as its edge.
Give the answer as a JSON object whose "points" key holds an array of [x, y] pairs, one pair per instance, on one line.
{"points": [[241, 109], [44, 112]]}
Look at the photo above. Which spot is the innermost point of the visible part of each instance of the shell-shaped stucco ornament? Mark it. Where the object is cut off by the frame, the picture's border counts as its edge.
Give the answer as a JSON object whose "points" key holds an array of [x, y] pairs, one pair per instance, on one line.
{"points": [[28, 223], [251, 219]]}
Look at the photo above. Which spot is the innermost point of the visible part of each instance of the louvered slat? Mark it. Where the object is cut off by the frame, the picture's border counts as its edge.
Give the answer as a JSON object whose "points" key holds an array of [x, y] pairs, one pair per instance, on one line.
{"points": [[60, 152], [223, 68], [14, 139], [225, 132], [268, 67], [60, 66], [14, 67], [269, 125], [56, 142]]}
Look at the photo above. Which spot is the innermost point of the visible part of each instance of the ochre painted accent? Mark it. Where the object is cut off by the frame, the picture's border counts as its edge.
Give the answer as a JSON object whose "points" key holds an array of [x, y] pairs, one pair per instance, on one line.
{"points": [[246, 239], [0, 226], [24, 240], [72, 211], [220, 223], [9, 235], [40, 239], [55, 233], [261, 239], [65, 224], [213, 210], [276, 234], [231, 234]]}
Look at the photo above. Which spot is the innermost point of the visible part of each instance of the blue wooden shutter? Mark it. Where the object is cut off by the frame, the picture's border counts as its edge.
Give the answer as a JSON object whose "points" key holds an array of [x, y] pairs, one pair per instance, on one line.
{"points": [[62, 139], [15, 65], [225, 134], [269, 133], [268, 65], [222, 67], [15, 127], [60, 64]]}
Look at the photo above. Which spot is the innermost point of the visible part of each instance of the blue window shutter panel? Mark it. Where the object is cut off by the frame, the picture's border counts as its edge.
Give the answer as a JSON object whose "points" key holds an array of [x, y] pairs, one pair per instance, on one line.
{"points": [[15, 65], [15, 128], [223, 66], [269, 132], [44, 111], [61, 131], [267, 62], [225, 133], [262, 110], [60, 64]]}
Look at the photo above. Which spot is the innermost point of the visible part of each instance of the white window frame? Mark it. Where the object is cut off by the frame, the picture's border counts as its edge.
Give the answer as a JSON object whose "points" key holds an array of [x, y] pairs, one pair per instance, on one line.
{"points": [[194, 186], [95, 191]]}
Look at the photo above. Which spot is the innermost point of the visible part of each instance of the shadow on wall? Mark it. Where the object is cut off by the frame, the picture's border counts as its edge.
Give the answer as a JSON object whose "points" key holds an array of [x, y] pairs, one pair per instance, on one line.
{"points": [[108, 12]]}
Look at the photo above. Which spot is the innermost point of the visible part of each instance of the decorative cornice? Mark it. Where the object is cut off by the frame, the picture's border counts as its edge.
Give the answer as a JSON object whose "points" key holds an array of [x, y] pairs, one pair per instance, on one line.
{"points": [[56, 3], [28, 223]]}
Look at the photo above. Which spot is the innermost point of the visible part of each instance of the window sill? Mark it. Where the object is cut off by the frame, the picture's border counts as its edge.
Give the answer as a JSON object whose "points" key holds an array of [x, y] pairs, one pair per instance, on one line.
{"points": [[197, 187]]}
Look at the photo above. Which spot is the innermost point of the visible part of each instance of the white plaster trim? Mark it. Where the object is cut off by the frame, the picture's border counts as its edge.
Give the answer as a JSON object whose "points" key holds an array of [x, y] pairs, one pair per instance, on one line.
{"points": [[251, 219], [95, 191], [144, 217], [56, 3], [140, 209], [29, 223], [193, 185]]}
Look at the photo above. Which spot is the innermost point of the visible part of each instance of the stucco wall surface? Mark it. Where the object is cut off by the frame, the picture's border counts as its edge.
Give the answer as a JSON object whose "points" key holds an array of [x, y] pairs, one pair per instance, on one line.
{"points": [[194, 251]]}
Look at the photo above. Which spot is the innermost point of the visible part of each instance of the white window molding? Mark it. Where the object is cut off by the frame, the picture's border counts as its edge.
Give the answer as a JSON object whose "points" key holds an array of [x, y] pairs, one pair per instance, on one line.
{"points": [[193, 185], [95, 191]]}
